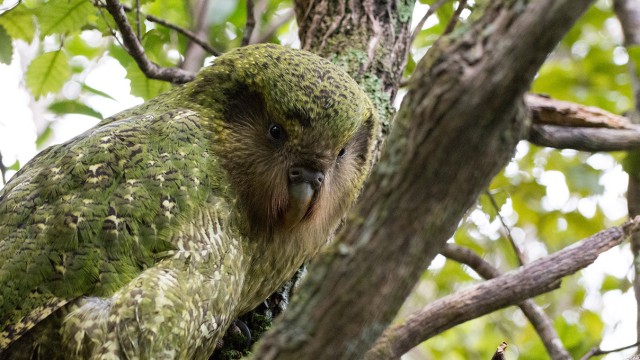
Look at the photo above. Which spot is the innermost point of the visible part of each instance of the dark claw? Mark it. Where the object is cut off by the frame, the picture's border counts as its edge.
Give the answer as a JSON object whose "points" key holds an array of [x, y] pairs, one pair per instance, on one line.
{"points": [[244, 329]]}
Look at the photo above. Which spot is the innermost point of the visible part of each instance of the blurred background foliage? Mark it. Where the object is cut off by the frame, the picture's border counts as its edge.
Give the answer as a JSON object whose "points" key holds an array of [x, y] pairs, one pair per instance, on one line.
{"points": [[547, 198]]}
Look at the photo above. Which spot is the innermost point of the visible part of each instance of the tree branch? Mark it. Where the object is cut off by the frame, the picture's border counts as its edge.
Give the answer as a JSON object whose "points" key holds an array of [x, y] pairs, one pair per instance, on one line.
{"points": [[456, 16], [499, 354], [186, 33], [545, 110], [135, 49], [585, 139], [566, 125], [532, 311], [535, 278], [597, 351]]}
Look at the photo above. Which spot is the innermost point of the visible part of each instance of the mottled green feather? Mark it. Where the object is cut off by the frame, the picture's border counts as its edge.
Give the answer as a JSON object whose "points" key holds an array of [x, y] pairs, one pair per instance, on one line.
{"points": [[86, 217], [148, 234]]}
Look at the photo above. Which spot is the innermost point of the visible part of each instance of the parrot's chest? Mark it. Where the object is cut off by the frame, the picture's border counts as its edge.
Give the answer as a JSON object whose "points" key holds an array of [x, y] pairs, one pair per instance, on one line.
{"points": [[273, 262]]}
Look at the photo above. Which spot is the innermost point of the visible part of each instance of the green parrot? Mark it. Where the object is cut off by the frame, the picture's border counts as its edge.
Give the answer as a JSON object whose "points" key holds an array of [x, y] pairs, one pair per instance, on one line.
{"points": [[147, 235]]}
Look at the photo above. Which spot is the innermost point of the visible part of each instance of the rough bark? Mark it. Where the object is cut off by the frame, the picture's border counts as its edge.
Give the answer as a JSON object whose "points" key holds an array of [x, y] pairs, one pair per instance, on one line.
{"points": [[545, 110], [457, 127]]}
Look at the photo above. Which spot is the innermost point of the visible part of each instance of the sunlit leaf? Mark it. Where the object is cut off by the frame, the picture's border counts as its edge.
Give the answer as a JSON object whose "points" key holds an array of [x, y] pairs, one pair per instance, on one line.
{"points": [[44, 137], [95, 91], [64, 16], [19, 23], [15, 166], [154, 43], [75, 46], [64, 107], [47, 73], [143, 86], [6, 46]]}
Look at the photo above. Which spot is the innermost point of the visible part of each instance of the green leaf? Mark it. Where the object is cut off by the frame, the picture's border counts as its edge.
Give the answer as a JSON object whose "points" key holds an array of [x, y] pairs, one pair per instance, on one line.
{"points": [[96, 91], [19, 23], [65, 16], [154, 43], [6, 46], [44, 136], [174, 11], [47, 73], [64, 107], [611, 282], [144, 87], [75, 45], [15, 166]]}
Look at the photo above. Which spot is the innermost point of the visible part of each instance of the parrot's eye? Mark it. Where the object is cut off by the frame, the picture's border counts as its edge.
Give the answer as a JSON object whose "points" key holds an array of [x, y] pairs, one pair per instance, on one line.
{"points": [[276, 132], [341, 153]]}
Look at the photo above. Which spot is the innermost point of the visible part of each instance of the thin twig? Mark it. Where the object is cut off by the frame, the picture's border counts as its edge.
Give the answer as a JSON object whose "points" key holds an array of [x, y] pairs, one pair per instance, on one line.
{"points": [[272, 27], [521, 258], [3, 171], [432, 9], [250, 24], [186, 33], [454, 19], [597, 351], [135, 49]]}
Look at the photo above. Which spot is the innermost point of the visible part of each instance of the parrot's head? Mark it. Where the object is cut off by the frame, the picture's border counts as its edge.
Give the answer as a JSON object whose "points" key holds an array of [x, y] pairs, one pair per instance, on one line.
{"points": [[297, 137]]}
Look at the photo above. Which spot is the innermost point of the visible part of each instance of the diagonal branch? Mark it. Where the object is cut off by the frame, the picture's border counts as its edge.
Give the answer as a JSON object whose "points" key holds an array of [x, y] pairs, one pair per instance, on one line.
{"points": [[535, 278], [596, 351], [519, 254], [135, 49], [456, 16], [532, 311], [432, 9]]}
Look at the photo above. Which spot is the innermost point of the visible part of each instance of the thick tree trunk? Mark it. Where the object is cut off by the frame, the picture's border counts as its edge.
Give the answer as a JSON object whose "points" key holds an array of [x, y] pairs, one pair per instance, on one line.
{"points": [[457, 127]]}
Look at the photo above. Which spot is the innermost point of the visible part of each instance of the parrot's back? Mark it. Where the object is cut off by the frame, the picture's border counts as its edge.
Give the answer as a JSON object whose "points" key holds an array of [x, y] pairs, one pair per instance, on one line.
{"points": [[86, 217]]}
